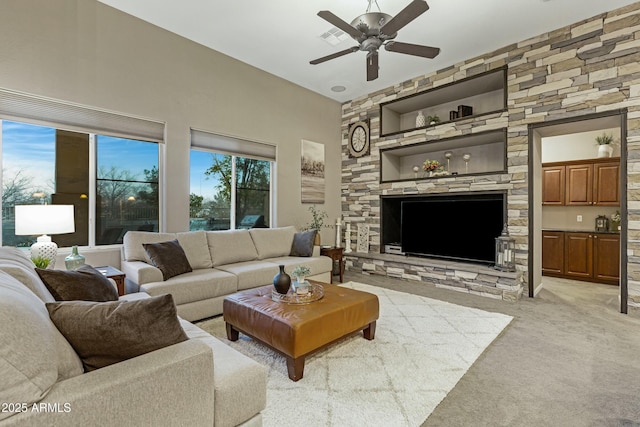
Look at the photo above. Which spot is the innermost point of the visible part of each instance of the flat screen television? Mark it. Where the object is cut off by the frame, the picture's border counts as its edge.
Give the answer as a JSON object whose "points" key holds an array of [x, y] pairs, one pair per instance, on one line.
{"points": [[460, 228]]}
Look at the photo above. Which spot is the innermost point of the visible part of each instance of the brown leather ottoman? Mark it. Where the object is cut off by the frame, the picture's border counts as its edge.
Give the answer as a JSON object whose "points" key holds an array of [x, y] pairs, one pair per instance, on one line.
{"points": [[298, 330]]}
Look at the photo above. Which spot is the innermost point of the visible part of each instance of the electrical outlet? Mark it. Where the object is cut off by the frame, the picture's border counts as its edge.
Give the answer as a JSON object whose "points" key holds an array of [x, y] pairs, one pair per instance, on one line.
{"points": [[579, 218]]}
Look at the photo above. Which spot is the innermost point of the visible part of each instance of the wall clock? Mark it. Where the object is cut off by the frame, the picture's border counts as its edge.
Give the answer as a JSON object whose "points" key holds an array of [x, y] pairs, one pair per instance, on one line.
{"points": [[359, 144]]}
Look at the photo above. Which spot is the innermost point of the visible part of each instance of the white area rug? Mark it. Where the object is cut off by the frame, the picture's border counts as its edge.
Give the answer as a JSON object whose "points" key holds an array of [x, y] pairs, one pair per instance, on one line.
{"points": [[421, 349]]}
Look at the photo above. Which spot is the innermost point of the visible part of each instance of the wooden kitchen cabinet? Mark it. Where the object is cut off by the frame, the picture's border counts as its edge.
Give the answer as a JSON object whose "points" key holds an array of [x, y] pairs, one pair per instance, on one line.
{"points": [[578, 255], [579, 186], [581, 183], [606, 257], [553, 184], [592, 257], [553, 253]]}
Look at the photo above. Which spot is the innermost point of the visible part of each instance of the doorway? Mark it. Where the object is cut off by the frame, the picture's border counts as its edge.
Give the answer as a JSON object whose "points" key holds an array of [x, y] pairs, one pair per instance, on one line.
{"points": [[570, 141]]}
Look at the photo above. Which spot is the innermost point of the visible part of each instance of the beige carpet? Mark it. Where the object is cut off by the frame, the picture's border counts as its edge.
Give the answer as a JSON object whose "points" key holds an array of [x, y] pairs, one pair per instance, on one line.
{"points": [[421, 349]]}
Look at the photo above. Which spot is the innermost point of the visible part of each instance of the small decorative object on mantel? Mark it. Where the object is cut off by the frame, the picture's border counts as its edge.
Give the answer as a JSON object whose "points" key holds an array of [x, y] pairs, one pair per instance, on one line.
{"points": [[74, 260], [453, 115], [431, 166], [466, 157], [605, 142], [282, 281], [363, 238], [448, 155], [416, 169], [505, 251], [615, 221], [421, 120], [433, 119], [464, 110], [347, 238], [602, 223]]}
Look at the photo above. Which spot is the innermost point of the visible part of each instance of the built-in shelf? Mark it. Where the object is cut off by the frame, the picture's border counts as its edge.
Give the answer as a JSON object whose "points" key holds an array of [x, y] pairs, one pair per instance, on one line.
{"points": [[484, 93], [487, 151]]}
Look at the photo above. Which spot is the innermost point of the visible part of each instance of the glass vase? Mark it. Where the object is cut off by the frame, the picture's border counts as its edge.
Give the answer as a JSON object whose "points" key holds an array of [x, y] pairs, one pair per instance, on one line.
{"points": [[74, 259]]}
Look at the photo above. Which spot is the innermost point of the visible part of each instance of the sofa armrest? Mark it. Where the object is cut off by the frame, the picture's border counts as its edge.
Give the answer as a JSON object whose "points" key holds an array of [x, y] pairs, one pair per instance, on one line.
{"points": [[173, 383], [141, 272]]}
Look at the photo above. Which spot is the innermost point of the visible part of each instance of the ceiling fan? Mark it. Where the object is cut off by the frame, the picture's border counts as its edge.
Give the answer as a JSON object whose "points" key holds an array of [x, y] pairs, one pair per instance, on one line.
{"points": [[374, 29]]}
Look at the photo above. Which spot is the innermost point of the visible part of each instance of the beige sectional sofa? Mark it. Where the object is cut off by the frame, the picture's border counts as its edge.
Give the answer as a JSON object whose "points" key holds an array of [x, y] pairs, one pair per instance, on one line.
{"points": [[197, 382], [223, 262]]}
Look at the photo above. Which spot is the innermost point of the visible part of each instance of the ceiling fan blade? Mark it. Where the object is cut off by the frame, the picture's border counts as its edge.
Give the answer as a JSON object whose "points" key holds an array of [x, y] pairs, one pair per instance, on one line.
{"points": [[334, 55], [406, 15], [333, 19], [413, 49], [372, 66]]}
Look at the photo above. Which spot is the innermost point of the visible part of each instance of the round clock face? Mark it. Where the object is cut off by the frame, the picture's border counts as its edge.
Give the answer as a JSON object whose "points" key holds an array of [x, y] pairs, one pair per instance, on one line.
{"points": [[359, 139]]}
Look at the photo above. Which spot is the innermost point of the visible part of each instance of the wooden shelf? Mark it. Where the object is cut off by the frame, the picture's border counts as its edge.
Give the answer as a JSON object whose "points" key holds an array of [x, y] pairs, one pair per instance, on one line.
{"points": [[485, 93], [488, 152]]}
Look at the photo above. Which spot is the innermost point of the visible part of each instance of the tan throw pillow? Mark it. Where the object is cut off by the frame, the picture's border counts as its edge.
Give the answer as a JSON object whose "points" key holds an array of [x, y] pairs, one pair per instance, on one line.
{"points": [[111, 332], [303, 243], [168, 257], [85, 284]]}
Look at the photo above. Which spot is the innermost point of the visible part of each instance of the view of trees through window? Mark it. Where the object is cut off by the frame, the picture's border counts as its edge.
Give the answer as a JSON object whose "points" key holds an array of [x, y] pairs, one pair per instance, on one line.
{"points": [[46, 165], [214, 186]]}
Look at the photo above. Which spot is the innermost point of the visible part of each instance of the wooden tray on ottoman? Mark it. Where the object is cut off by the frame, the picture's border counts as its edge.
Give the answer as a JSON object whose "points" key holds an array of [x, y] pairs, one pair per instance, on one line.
{"points": [[298, 330]]}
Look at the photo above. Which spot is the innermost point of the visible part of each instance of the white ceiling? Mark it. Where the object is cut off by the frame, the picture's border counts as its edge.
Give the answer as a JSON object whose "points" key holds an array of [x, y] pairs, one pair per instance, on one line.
{"points": [[282, 36]]}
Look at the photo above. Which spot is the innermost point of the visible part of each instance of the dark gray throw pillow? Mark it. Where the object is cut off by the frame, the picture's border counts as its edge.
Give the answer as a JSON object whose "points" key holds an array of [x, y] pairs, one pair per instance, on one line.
{"points": [[168, 257], [85, 284], [303, 243], [110, 332]]}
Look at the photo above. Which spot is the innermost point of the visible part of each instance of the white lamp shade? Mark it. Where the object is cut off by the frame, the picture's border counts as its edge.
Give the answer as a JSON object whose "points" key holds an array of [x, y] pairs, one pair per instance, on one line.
{"points": [[32, 220]]}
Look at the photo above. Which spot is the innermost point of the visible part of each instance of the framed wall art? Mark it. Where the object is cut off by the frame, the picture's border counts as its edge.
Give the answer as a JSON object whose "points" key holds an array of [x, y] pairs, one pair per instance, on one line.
{"points": [[312, 172]]}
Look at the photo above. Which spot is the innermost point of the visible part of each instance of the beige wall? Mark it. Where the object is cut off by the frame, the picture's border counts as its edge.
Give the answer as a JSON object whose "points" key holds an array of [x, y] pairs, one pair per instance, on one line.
{"points": [[84, 52]]}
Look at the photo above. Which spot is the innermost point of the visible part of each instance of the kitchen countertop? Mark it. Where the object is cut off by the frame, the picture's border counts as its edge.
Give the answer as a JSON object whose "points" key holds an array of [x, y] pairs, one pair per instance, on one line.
{"points": [[580, 231]]}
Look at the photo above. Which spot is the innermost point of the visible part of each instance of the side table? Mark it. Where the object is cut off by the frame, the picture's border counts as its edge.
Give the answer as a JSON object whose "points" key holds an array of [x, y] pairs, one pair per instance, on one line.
{"points": [[336, 254], [115, 274]]}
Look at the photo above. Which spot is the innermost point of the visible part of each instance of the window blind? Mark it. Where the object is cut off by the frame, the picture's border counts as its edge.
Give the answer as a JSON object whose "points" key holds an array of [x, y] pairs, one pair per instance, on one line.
{"points": [[22, 107], [233, 146]]}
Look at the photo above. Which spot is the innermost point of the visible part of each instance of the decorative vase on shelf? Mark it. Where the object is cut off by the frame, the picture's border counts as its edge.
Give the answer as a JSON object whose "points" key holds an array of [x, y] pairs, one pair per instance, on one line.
{"points": [[74, 260], [421, 120], [605, 150], [282, 281]]}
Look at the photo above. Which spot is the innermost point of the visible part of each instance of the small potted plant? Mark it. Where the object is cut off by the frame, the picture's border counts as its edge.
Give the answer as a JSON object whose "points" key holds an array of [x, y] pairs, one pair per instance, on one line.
{"points": [[433, 119], [604, 143], [431, 166], [41, 262], [301, 286], [318, 217]]}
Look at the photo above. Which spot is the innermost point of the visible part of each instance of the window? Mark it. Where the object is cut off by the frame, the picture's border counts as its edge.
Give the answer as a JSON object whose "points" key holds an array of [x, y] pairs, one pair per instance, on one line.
{"points": [[229, 192], [43, 164]]}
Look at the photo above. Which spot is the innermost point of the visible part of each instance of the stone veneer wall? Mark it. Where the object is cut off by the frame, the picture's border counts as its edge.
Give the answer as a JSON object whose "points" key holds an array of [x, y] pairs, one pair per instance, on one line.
{"points": [[588, 67]]}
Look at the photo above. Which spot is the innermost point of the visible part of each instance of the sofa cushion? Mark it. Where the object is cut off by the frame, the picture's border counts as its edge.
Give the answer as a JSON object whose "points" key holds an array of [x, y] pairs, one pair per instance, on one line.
{"points": [[272, 242], [195, 286], [111, 332], [252, 273], [16, 262], [33, 354], [196, 248], [168, 257], [86, 283], [303, 243], [231, 246], [132, 241], [234, 402]]}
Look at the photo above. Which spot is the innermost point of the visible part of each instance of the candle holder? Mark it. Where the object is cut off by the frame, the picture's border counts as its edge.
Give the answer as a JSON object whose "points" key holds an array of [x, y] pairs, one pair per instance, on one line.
{"points": [[466, 157], [505, 251], [416, 169], [448, 155]]}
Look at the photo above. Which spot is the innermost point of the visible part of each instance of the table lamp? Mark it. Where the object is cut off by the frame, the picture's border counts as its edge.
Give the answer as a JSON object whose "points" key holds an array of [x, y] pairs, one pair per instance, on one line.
{"points": [[44, 219]]}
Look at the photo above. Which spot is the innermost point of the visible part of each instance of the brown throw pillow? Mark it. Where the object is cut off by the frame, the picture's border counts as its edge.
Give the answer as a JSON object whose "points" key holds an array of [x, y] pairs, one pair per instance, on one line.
{"points": [[168, 257], [103, 333], [85, 284], [303, 243]]}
